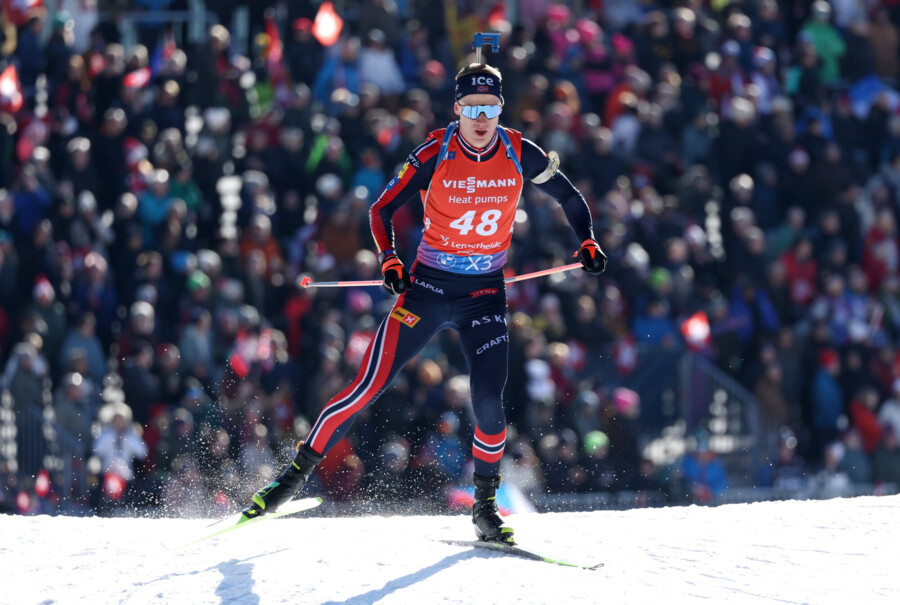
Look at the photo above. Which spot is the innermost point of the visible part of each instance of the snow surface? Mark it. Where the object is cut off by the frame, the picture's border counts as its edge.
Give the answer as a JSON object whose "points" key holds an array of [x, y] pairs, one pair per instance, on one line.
{"points": [[837, 551]]}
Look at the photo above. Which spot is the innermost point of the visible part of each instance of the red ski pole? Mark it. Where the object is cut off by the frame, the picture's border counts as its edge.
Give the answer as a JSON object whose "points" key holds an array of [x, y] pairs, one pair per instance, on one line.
{"points": [[307, 282]]}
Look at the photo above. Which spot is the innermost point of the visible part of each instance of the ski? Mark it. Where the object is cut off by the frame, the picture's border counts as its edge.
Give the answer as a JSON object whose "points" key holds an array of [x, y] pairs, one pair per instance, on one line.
{"points": [[515, 551], [239, 521]]}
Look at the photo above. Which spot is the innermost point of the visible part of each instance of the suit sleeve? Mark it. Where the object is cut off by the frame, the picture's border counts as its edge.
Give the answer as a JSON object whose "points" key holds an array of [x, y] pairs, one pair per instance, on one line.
{"points": [[414, 176], [560, 188]]}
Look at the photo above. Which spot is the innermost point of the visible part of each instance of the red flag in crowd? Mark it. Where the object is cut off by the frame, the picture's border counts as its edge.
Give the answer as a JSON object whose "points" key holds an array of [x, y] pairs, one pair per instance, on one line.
{"points": [[164, 51], [327, 26], [695, 330], [274, 61], [10, 90], [114, 485], [138, 78], [42, 484], [625, 355]]}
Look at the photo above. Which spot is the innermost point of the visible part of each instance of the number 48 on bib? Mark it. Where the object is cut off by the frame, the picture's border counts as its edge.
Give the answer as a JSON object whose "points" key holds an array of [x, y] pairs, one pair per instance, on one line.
{"points": [[487, 224]]}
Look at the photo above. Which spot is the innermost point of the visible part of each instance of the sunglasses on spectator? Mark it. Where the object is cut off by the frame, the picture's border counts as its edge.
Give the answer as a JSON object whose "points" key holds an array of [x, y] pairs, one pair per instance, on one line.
{"points": [[473, 111]]}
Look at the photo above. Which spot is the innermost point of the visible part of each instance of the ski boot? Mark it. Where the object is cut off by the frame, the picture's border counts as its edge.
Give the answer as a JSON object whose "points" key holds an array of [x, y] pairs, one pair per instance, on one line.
{"points": [[286, 485], [488, 523]]}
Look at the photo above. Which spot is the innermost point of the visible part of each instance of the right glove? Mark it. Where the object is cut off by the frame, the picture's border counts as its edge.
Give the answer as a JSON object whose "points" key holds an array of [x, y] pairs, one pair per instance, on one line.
{"points": [[592, 258], [396, 277]]}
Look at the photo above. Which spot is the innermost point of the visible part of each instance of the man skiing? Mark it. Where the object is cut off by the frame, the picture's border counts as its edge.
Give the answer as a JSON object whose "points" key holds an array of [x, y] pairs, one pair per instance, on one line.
{"points": [[470, 176]]}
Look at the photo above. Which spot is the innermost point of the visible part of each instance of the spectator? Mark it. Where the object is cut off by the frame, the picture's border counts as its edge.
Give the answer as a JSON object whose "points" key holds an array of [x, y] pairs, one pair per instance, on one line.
{"points": [[787, 471], [855, 462], [378, 66], [75, 408], [825, 39], [118, 446], [831, 482], [704, 474], [83, 335], [886, 459], [827, 398]]}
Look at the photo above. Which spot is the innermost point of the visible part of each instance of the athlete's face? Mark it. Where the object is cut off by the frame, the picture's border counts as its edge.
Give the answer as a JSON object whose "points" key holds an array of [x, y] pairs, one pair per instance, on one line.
{"points": [[480, 131]]}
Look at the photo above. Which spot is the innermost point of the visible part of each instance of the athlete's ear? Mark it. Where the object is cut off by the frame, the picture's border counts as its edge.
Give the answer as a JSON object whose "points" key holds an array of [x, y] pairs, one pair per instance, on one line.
{"points": [[456, 109]]}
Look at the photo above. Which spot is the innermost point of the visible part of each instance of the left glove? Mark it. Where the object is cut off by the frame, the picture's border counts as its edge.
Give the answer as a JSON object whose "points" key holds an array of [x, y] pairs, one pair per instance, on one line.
{"points": [[592, 258], [396, 277]]}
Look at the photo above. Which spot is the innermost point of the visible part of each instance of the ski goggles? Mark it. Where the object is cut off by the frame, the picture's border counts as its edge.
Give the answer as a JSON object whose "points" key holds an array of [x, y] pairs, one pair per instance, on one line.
{"points": [[473, 111]]}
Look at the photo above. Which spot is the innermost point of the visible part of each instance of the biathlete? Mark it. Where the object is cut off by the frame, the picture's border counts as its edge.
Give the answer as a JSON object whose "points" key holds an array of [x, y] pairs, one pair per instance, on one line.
{"points": [[470, 176]]}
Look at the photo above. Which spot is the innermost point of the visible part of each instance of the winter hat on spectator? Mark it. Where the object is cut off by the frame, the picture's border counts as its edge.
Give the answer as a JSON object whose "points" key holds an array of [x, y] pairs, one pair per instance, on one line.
{"points": [[595, 441], [197, 280], [540, 387], [762, 56], [43, 290], [449, 423], [217, 119], [798, 156], [559, 14], [63, 20], [231, 290], [730, 48], [820, 10], [146, 293], [588, 399], [622, 44], [434, 69], [588, 30], [625, 400], [135, 151], [396, 453], [660, 279], [183, 262], [209, 262], [329, 185], [828, 357], [303, 24]]}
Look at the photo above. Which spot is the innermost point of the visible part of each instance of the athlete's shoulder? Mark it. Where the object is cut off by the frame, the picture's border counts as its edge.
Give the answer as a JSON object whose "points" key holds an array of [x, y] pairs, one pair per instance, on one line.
{"points": [[512, 131], [429, 147], [534, 159]]}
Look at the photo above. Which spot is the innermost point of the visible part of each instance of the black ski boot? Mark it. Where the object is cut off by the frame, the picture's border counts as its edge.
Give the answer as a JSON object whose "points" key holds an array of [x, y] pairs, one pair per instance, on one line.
{"points": [[488, 522], [286, 485]]}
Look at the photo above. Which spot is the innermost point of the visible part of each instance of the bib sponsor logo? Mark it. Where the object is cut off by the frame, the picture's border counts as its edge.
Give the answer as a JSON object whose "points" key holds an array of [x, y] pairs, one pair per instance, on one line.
{"points": [[405, 317], [492, 343], [447, 260], [471, 184], [483, 292]]}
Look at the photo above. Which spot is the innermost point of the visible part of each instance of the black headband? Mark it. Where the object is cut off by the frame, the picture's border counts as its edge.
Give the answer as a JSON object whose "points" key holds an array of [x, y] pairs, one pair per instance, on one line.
{"points": [[479, 84]]}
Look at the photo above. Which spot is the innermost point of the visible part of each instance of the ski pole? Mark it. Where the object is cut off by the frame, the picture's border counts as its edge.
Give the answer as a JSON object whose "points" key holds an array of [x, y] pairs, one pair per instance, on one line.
{"points": [[307, 282], [525, 276]]}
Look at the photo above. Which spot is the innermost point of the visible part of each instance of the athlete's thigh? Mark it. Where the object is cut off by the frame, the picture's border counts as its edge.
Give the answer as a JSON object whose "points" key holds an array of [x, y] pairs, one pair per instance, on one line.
{"points": [[483, 333], [417, 315]]}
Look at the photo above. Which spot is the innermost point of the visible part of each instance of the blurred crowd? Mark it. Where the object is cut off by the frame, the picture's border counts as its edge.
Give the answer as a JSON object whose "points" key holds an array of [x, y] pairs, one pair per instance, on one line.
{"points": [[160, 204]]}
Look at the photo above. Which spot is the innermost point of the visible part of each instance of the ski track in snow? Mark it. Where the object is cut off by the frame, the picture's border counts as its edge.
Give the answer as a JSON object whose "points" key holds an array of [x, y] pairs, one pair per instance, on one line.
{"points": [[837, 551]]}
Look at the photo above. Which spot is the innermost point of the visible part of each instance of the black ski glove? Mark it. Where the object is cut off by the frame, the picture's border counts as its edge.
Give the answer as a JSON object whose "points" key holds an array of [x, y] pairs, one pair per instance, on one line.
{"points": [[592, 258], [396, 277]]}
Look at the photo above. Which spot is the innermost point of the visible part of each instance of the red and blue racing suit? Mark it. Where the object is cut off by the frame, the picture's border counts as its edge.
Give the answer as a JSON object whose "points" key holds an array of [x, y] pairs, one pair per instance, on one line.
{"points": [[470, 200]]}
